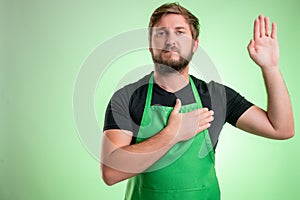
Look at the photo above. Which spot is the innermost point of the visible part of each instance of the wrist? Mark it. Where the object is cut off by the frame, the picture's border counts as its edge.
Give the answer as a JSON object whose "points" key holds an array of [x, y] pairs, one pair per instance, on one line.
{"points": [[171, 133], [270, 69]]}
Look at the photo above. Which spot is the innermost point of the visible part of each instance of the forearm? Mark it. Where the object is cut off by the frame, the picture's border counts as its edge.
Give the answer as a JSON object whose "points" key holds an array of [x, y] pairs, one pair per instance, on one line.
{"points": [[120, 161], [127, 161], [279, 109]]}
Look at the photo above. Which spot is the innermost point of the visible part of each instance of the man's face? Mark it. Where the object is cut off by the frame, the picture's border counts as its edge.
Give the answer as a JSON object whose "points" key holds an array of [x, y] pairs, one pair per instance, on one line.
{"points": [[172, 46]]}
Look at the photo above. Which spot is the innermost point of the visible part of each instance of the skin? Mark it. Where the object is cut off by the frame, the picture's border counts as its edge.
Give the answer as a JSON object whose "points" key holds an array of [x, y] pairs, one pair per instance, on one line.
{"points": [[173, 30], [172, 45], [277, 122]]}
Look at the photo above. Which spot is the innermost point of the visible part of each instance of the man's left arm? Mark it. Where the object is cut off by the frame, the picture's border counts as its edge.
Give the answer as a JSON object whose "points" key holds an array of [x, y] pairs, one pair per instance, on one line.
{"points": [[277, 122]]}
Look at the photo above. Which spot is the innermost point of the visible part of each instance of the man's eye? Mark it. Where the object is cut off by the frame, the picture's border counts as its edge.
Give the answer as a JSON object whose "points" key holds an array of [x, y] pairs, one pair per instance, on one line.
{"points": [[160, 33], [179, 32]]}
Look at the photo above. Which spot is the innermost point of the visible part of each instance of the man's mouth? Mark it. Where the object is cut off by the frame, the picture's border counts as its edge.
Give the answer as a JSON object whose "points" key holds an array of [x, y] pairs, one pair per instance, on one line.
{"points": [[171, 50], [167, 51]]}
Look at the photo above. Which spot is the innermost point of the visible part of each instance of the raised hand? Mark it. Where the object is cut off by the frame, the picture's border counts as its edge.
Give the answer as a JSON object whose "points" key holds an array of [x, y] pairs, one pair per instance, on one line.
{"points": [[263, 48]]}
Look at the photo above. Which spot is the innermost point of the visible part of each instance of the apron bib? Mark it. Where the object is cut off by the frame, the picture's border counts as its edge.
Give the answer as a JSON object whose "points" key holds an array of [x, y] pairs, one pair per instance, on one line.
{"points": [[186, 171]]}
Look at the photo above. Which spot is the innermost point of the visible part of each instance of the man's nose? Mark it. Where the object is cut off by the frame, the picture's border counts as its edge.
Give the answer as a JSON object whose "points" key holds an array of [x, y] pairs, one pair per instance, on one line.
{"points": [[171, 38]]}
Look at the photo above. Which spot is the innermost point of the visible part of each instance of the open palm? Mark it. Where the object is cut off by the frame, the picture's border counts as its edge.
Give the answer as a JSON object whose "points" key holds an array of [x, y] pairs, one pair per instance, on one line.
{"points": [[263, 48]]}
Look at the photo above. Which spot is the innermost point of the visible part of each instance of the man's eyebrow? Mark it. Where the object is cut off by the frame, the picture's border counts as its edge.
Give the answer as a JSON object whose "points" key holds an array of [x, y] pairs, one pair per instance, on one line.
{"points": [[165, 28], [180, 27], [160, 28]]}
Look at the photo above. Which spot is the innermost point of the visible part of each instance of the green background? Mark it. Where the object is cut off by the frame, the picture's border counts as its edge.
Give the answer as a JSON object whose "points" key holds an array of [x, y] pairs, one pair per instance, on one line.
{"points": [[43, 45]]}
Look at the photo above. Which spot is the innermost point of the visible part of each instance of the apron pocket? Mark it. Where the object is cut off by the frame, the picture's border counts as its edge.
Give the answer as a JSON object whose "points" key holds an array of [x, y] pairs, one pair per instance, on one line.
{"points": [[176, 194]]}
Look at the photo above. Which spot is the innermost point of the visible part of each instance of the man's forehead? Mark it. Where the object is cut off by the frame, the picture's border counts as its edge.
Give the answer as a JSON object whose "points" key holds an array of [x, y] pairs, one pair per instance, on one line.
{"points": [[172, 21]]}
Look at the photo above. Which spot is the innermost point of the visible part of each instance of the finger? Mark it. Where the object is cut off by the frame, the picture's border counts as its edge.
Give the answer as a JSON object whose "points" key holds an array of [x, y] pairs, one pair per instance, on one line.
{"points": [[203, 127], [201, 110], [205, 123], [267, 26], [203, 113], [274, 31], [250, 47], [206, 117], [205, 120], [262, 25], [256, 29], [177, 106]]}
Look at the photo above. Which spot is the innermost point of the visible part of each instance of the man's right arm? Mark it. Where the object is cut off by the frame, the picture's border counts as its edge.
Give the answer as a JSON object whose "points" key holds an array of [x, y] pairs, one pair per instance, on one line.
{"points": [[120, 160]]}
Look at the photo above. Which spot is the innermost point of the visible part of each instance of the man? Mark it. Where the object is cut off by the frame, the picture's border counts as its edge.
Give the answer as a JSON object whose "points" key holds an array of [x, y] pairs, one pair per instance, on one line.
{"points": [[161, 132]]}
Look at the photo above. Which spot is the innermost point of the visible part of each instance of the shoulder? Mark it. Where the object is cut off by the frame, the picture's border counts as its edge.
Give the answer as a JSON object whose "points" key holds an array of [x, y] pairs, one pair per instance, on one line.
{"points": [[200, 84], [131, 91], [209, 87]]}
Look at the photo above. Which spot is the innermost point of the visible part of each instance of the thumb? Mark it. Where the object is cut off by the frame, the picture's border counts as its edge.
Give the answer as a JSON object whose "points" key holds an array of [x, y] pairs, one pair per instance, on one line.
{"points": [[177, 106], [251, 48]]}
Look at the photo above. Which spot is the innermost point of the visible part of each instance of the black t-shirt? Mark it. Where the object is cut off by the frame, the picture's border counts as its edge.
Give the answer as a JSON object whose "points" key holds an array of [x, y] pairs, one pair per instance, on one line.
{"points": [[126, 107]]}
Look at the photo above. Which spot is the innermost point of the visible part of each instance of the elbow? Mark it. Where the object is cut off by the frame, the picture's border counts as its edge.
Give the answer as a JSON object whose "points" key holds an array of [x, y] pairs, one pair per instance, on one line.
{"points": [[108, 181], [287, 134], [290, 134], [108, 176], [290, 129]]}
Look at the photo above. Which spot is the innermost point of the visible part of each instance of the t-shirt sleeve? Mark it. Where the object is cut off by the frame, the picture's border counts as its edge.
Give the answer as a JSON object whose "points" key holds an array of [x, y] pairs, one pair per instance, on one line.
{"points": [[236, 105], [117, 115]]}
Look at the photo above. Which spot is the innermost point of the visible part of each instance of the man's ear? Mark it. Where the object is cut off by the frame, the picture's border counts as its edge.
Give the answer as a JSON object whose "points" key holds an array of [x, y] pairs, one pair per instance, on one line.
{"points": [[196, 43], [151, 50], [150, 45]]}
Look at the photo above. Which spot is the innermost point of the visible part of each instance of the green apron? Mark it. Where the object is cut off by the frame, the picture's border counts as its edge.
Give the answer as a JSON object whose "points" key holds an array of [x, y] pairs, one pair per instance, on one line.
{"points": [[186, 171]]}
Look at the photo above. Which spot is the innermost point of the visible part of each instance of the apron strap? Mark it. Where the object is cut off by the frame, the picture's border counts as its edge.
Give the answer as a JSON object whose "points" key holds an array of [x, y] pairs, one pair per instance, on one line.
{"points": [[150, 89], [196, 93], [208, 148], [149, 92]]}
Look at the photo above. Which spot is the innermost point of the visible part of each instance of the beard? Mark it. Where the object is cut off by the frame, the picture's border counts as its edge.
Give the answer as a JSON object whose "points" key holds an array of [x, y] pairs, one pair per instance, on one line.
{"points": [[167, 66]]}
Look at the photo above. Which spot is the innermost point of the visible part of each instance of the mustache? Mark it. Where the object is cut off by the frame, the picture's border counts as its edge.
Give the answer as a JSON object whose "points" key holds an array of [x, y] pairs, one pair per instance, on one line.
{"points": [[171, 48]]}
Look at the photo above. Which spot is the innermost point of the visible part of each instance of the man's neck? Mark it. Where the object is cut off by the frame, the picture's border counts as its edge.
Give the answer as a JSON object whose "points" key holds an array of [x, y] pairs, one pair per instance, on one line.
{"points": [[172, 82]]}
